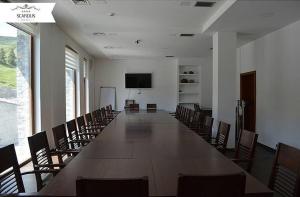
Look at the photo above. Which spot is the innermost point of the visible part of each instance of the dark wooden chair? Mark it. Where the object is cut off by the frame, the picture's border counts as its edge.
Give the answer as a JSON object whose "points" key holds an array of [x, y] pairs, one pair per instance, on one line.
{"points": [[112, 187], [41, 156], [245, 151], [197, 107], [107, 119], [195, 121], [189, 118], [76, 140], [181, 113], [84, 130], [97, 119], [205, 130], [63, 144], [285, 175], [134, 107], [232, 185], [128, 103], [220, 142], [11, 181], [151, 107], [113, 111], [93, 125]]}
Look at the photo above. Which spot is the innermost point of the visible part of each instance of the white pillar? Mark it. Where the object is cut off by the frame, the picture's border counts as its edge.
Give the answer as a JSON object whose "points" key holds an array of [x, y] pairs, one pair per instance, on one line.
{"points": [[224, 80]]}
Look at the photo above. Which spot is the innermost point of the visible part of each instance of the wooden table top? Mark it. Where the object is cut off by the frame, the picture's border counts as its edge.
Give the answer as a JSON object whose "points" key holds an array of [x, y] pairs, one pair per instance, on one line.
{"points": [[147, 144]]}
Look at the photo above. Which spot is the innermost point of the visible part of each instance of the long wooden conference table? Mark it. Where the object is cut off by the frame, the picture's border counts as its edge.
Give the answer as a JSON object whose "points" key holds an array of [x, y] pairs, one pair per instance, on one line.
{"points": [[147, 144]]}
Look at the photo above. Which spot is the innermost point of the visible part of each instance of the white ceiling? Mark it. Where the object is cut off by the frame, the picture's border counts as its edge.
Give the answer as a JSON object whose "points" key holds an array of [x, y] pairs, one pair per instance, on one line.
{"points": [[157, 23], [255, 18]]}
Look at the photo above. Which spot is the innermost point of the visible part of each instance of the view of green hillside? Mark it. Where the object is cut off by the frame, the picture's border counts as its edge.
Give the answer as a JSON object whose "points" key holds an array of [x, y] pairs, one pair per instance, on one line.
{"points": [[8, 61]]}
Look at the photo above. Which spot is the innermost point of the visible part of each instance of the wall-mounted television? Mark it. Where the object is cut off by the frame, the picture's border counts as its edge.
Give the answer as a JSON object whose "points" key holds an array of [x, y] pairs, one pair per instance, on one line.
{"points": [[138, 80]]}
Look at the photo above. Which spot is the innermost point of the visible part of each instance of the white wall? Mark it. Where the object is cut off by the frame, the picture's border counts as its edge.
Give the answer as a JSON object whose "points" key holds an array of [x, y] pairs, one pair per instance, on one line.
{"points": [[164, 81], [276, 58], [206, 82], [50, 67]]}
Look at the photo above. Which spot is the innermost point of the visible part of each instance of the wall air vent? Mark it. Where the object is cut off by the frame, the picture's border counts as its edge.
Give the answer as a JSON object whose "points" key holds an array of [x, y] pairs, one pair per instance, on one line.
{"points": [[204, 4], [186, 35], [81, 2], [169, 56]]}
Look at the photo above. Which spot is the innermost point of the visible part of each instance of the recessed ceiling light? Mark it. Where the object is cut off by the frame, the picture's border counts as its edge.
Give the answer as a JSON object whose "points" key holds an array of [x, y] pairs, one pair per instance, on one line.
{"points": [[99, 34], [81, 2], [112, 47], [207, 4], [109, 47], [187, 35]]}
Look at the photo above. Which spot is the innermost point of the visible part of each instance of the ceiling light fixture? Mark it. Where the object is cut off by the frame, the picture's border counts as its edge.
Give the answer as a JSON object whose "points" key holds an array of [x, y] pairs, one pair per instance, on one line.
{"points": [[111, 14], [81, 2], [99, 34], [138, 42], [207, 4]]}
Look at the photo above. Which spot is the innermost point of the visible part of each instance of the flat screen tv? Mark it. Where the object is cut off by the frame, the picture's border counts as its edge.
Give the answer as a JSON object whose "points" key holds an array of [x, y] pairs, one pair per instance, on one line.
{"points": [[138, 80]]}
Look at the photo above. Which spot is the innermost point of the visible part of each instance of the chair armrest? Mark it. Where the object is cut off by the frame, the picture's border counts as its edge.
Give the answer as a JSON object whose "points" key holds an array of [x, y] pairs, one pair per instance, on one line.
{"points": [[73, 151], [53, 171], [50, 165], [80, 141]]}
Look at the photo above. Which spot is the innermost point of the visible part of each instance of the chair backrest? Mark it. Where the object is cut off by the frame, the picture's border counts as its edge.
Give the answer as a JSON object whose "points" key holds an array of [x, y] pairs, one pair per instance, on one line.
{"points": [[81, 126], [285, 177], [134, 107], [222, 135], [89, 119], [151, 107], [40, 154], [246, 147], [112, 187], [211, 186], [103, 113], [108, 112], [190, 116], [129, 102], [10, 178], [95, 117], [197, 107], [60, 140], [206, 130], [73, 133]]}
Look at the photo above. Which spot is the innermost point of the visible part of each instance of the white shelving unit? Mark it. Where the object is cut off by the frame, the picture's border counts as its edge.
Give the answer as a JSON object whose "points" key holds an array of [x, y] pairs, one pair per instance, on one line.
{"points": [[189, 90]]}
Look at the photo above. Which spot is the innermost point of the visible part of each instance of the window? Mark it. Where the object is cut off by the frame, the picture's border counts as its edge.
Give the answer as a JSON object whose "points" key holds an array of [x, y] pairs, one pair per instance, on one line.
{"points": [[15, 89], [86, 85], [72, 61]]}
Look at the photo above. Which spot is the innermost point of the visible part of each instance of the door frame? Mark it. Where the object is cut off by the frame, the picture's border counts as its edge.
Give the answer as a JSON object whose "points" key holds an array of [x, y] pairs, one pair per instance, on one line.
{"points": [[244, 75]]}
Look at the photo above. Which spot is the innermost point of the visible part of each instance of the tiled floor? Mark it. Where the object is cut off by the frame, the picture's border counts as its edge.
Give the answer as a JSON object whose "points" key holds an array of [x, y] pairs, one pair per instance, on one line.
{"points": [[261, 168]]}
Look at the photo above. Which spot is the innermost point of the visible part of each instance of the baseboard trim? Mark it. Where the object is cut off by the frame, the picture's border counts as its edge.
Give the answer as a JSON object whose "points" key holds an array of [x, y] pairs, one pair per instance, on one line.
{"points": [[272, 150]]}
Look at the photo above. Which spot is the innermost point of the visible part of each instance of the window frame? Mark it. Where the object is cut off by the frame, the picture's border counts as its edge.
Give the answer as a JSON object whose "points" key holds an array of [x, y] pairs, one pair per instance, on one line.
{"points": [[76, 71]]}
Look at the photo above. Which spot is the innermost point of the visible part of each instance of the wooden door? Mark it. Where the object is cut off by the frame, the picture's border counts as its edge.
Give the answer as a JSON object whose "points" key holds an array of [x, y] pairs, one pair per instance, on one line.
{"points": [[248, 94]]}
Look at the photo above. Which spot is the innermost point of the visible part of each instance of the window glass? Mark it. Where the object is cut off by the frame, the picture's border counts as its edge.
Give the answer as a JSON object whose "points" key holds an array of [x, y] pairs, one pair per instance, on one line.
{"points": [[15, 89]]}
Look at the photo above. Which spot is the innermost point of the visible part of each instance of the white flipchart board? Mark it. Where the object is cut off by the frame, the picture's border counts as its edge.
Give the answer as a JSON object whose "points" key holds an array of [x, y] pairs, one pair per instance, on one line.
{"points": [[108, 97]]}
